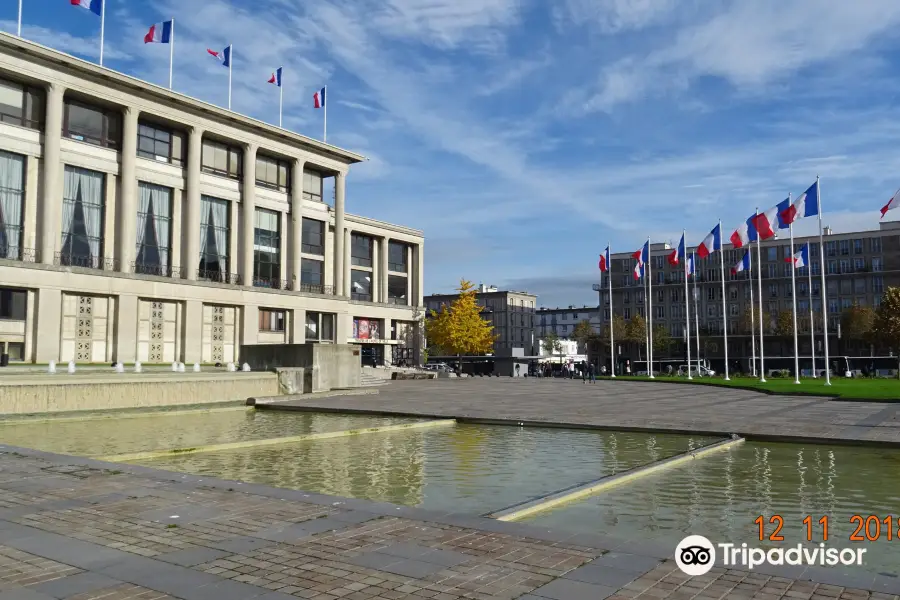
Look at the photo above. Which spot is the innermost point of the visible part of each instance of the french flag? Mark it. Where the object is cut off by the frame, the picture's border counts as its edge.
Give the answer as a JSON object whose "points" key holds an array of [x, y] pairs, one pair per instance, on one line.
{"points": [[160, 33], [743, 265], [894, 202], [276, 77], [224, 56], [95, 6], [711, 242], [641, 257], [806, 205], [604, 261], [768, 222], [319, 99], [689, 265], [678, 253], [800, 258], [745, 233]]}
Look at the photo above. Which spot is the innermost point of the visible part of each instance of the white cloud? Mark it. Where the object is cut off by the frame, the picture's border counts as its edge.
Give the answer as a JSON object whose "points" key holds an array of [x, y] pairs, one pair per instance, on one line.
{"points": [[612, 16], [84, 47]]}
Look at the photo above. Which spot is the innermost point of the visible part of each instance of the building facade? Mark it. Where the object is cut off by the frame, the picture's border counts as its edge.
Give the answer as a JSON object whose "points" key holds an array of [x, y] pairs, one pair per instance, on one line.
{"points": [[858, 268], [562, 321], [511, 313], [137, 224]]}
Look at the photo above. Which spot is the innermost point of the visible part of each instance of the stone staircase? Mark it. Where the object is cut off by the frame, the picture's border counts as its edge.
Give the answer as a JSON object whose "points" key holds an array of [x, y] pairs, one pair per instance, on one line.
{"points": [[369, 380]]}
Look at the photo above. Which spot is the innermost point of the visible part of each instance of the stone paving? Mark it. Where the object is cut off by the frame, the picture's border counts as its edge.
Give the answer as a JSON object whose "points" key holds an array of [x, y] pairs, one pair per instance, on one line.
{"points": [[82, 529], [629, 404]]}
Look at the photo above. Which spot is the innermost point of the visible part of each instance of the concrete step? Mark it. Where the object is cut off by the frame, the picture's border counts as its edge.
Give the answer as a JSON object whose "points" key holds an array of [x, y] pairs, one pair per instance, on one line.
{"points": [[367, 380]]}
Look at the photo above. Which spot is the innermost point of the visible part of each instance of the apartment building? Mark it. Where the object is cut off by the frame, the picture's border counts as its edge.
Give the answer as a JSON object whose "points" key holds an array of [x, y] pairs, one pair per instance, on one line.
{"points": [[562, 321], [138, 224]]}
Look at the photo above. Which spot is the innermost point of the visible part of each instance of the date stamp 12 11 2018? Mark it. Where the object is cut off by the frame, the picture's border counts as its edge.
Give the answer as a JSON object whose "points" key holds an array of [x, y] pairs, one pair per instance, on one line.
{"points": [[866, 528]]}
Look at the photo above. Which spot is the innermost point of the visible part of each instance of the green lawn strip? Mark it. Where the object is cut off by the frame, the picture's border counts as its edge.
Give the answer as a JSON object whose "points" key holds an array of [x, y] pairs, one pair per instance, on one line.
{"points": [[884, 390]]}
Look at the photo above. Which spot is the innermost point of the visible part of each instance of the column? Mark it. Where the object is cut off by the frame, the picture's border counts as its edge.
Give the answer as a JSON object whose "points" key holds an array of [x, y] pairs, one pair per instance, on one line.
{"points": [[190, 259], [110, 210], [126, 326], [28, 243], [384, 268], [128, 183], [176, 224], [346, 264], [376, 269], [296, 223], [52, 201], [193, 327], [282, 249], [48, 313], [30, 331], [298, 326], [234, 241], [250, 325], [248, 214], [420, 275], [410, 275], [339, 272]]}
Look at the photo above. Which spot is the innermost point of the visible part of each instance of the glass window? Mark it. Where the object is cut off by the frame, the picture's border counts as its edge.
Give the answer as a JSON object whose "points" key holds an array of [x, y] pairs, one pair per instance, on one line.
{"points": [[360, 250], [832, 287], [361, 285], [21, 105], [82, 218], [857, 246], [859, 286], [12, 304], [814, 249], [831, 248], [160, 144], [271, 320], [397, 289], [222, 159], [876, 244], [859, 264], [311, 275], [845, 247], [877, 284], [877, 264], [772, 253], [312, 186], [773, 290], [816, 288], [397, 255], [272, 173], [91, 124], [319, 327], [312, 326], [12, 194], [313, 237], [153, 230], [267, 249], [772, 270], [215, 228], [845, 265]]}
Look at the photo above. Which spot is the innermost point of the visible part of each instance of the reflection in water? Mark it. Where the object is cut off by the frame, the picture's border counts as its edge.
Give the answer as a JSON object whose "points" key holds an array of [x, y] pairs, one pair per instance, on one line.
{"points": [[758, 479], [468, 468]]}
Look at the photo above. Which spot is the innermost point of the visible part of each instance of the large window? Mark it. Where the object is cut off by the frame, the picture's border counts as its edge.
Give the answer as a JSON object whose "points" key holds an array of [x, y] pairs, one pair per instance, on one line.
{"points": [[361, 285], [92, 124], [271, 320], [312, 275], [82, 219], [12, 192], [12, 304], [319, 327], [397, 257], [153, 229], [214, 234], [397, 289], [312, 186], [360, 250], [158, 143], [267, 249], [313, 237], [21, 105], [222, 159], [272, 173]]}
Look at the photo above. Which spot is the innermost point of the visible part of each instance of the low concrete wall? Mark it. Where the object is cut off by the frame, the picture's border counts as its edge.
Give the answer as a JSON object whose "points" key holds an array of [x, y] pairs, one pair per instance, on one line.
{"points": [[325, 366], [64, 393]]}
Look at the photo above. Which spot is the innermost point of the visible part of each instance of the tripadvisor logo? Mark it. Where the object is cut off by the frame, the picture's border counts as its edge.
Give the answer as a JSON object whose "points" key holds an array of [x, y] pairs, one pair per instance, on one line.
{"points": [[695, 555]]}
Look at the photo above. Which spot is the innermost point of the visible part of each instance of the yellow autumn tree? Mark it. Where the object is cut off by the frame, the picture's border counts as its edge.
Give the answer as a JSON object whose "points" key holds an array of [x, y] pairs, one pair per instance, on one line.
{"points": [[460, 329]]}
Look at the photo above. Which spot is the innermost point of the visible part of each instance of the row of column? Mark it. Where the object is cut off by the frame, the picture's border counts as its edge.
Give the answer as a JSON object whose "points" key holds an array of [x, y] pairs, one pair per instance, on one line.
{"points": [[126, 233], [380, 270]]}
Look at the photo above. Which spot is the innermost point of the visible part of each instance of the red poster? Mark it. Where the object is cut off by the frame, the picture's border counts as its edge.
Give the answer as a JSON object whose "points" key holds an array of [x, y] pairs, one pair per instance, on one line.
{"points": [[363, 333]]}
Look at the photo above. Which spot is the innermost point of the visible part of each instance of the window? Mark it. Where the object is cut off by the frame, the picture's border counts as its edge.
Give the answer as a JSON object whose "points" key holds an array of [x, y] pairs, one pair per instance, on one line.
{"points": [[804, 288], [271, 320], [845, 265], [82, 218], [660, 312], [222, 159], [397, 289], [859, 264], [845, 247], [160, 144], [802, 306], [857, 246], [831, 248], [660, 277], [814, 250], [360, 250], [397, 255], [21, 105], [313, 237], [733, 292], [877, 284], [773, 271], [215, 228], [361, 285], [846, 303], [312, 186], [733, 310], [876, 245], [153, 229], [833, 307], [267, 249], [711, 293], [859, 285], [319, 327], [12, 304], [772, 253], [272, 173], [640, 297], [787, 269], [816, 288], [876, 304], [626, 298], [91, 124], [710, 310], [12, 193], [660, 296], [773, 290], [816, 268], [311, 275], [832, 288], [626, 313]]}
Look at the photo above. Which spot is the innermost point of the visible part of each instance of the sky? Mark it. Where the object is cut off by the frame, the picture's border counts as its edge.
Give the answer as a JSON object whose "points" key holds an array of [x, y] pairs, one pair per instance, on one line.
{"points": [[522, 136]]}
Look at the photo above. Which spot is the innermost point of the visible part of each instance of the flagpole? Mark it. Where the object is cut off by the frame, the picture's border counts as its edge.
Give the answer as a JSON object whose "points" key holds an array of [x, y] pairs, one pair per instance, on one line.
{"points": [[325, 114], [752, 324], [824, 289], [724, 312], [696, 309], [646, 327], [650, 309], [812, 320], [762, 338], [281, 96], [172, 51], [612, 340], [102, 28], [794, 304], [19, 29], [230, 64], [687, 310]]}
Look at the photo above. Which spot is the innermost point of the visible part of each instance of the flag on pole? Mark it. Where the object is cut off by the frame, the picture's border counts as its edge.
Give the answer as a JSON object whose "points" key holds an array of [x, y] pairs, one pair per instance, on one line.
{"points": [[745, 233], [678, 253], [223, 56], [319, 99], [604, 261], [641, 257], [710, 243], [893, 203], [276, 77], [768, 222], [806, 205], [800, 257], [95, 6], [159, 33], [689, 265], [743, 265]]}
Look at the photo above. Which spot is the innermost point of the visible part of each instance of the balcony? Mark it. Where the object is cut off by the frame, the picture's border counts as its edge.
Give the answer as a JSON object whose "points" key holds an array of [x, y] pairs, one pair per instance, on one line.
{"points": [[19, 254], [157, 270], [219, 276], [69, 259]]}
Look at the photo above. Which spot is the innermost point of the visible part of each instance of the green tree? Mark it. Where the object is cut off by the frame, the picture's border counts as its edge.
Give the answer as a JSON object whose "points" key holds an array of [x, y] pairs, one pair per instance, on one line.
{"points": [[460, 329], [662, 341], [618, 325], [857, 322], [552, 344], [582, 333], [784, 323], [886, 326], [636, 330], [749, 321]]}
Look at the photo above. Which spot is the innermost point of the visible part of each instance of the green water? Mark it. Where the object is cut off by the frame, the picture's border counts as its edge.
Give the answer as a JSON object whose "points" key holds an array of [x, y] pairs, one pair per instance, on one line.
{"points": [[159, 430], [721, 495], [467, 468]]}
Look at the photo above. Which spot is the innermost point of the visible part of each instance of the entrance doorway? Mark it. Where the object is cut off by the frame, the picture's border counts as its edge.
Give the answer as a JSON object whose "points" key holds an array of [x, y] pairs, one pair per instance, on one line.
{"points": [[372, 355]]}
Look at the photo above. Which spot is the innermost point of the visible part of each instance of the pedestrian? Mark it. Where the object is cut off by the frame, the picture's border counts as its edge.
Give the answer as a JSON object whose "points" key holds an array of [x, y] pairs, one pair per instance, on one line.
{"points": [[591, 373], [583, 375], [517, 369]]}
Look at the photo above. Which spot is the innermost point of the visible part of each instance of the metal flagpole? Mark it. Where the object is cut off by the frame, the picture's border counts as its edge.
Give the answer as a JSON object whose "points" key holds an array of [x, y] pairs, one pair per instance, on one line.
{"points": [[696, 310], [612, 341], [752, 325], [19, 29], [281, 96], [724, 312], [812, 320], [650, 309], [102, 28], [646, 328], [325, 114], [794, 304], [762, 339], [824, 290], [171, 51], [230, 63], [687, 312]]}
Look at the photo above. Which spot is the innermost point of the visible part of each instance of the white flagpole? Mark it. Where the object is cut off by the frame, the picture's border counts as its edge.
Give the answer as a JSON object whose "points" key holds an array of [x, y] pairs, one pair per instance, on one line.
{"points": [[612, 341], [687, 311], [281, 96], [812, 319], [325, 115], [762, 338], [724, 311], [650, 309], [794, 304], [752, 324], [102, 28], [171, 52], [646, 327], [824, 290], [696, 310], [230, 64], [19, 29]]}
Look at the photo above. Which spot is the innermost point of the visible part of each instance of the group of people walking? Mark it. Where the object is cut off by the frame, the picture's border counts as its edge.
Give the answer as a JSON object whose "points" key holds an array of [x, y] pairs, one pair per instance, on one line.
{"points": [[585, 370]]}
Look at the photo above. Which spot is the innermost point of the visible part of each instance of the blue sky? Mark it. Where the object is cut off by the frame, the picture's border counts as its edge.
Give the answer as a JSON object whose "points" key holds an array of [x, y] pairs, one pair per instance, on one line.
{"points": [[522, 135]]}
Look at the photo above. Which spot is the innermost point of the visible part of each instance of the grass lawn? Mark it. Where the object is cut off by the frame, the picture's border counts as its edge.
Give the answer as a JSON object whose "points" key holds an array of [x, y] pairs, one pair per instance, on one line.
{"points": [[868, 389]]}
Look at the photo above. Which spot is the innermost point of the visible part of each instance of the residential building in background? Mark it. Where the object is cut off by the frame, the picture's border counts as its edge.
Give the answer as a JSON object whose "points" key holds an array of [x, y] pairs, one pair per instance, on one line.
{"points": [[562, 321], [140, 224]]}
